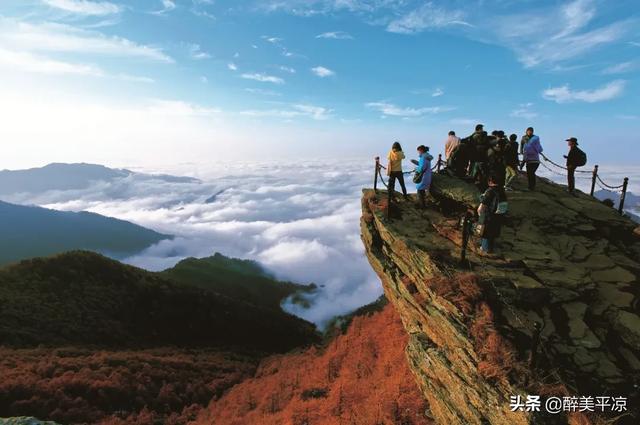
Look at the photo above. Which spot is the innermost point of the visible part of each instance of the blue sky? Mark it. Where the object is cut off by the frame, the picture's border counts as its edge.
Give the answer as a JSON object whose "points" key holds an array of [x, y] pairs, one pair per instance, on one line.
{"points": [[126, 82]]}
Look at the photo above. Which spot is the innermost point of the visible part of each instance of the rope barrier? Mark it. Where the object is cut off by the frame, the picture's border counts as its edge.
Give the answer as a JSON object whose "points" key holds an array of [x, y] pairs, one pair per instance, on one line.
{"points": [[561, 166], [381, 178], [609, 186]]}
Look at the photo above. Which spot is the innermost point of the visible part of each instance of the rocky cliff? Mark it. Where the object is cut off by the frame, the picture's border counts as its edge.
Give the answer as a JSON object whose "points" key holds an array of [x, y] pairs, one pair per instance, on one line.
{"points": [[568, 266]]}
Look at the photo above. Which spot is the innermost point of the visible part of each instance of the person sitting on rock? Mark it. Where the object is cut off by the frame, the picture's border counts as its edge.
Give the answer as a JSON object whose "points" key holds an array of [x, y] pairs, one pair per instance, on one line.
{"points": [[394, 169], [491, 212], [511, 161], [423, 174]]}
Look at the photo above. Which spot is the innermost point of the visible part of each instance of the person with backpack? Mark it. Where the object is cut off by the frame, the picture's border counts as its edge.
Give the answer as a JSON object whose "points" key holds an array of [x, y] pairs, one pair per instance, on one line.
{"points": [[511, 161], [532, 149], [422, 176], [491, 212], [575, 158], [394, 169]]}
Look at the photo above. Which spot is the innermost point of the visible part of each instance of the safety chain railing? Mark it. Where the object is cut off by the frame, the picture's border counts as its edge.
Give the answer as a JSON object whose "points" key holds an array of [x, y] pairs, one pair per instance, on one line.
{"points": [[595, 180]]}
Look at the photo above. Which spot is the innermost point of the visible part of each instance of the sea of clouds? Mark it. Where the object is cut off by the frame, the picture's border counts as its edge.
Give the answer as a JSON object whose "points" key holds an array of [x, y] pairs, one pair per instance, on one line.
{"points": [[299, 220]]}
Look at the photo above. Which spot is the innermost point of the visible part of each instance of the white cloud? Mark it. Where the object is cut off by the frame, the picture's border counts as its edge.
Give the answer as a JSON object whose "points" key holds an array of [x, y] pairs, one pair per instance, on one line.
{"points": [[389, 109], [297, 110], [272, 40], [564, 94], [232, 66], [167, 6], [336, 35], [524, 111], [85, 7], [464, 121], [196, 52], [569, 33], [322, 72], [301, 223], [28, 62], [52, 37], [621, 68], [263, 92], [263, 78], [287, 69], [426, 17], [437, 92], [179, 108]]}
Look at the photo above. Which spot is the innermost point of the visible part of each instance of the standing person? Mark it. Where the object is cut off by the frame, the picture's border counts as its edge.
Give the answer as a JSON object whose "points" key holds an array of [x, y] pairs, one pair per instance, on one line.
{"points": [[423, 174], [491, 212], [479, 142], [531, 156], [452, 142], [511, 161], [496, 158], [575, 158], [394, 169], [523, 141]]}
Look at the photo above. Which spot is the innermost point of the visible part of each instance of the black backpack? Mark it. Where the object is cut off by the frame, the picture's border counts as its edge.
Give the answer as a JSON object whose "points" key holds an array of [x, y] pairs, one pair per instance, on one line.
{"points": [[581, 157]]}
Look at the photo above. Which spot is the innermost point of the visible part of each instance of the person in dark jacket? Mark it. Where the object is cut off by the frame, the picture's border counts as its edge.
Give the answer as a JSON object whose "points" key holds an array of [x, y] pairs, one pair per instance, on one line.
{"points": [[491, 212], [479, 142], [511, 161], [573, 162], [495, 158]]}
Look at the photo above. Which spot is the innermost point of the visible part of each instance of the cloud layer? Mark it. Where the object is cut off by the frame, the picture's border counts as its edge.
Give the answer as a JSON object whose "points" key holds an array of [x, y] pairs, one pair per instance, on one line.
{"points": [[300, 220]]}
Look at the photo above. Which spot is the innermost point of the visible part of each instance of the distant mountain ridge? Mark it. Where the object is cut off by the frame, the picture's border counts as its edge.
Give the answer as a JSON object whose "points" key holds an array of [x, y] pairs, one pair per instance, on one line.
{"points": [[238, 279], [83, 298], [61, 176], [29, 232]]}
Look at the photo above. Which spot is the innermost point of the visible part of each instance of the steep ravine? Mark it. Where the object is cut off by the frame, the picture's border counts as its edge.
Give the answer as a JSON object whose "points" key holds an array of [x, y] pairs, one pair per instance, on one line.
{"points": [[570, 264]]}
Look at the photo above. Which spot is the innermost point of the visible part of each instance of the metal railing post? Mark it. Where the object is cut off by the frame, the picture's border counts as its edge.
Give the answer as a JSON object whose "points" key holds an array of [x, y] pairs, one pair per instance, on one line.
{"points": [[439, 161], [466, 225], [389, 196], [624, 194], [375, 177], [535, 341], [593, 179]]}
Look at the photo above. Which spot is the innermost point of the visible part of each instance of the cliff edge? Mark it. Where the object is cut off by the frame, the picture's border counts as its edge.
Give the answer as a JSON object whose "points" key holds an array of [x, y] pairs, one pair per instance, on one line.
{"points": [[566, 274]]}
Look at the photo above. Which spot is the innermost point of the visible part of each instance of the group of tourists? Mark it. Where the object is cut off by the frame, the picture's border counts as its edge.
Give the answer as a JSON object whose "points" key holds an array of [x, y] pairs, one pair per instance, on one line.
{"points": [[491, 162]]}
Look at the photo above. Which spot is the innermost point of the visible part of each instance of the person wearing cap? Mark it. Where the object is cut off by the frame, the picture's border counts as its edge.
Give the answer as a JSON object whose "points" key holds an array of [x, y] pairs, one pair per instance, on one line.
{"points": [[531, 150], [573, 161]]}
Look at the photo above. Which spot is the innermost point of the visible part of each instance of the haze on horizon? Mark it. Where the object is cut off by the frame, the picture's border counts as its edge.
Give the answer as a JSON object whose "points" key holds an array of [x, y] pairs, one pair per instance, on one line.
{"points": [[156, 82]]}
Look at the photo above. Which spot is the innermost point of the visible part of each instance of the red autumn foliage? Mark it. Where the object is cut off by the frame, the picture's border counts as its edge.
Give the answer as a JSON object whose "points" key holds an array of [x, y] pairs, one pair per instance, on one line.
{"points": [[498, 357], [74, 385], [361, 377]]}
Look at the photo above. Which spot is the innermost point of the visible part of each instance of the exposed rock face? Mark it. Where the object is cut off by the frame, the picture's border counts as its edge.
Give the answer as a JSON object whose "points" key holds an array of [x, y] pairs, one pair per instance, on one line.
{"points": [[568, 263]]}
